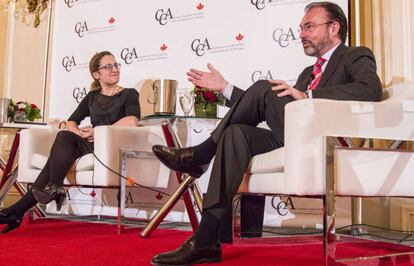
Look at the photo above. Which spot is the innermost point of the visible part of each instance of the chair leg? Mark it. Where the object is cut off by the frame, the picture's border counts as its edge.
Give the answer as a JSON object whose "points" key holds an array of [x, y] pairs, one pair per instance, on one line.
{"points": [[236, 212], [166, 208], [121, 206], [329, 208]]}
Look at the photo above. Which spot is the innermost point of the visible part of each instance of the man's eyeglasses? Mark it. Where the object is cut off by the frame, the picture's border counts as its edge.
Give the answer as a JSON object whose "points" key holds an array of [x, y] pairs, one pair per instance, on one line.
{"points": [[110, 67], [309, 27]]}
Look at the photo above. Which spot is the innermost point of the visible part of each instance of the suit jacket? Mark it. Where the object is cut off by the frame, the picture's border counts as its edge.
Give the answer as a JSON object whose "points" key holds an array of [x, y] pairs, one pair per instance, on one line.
{"points": [[350, 75]]}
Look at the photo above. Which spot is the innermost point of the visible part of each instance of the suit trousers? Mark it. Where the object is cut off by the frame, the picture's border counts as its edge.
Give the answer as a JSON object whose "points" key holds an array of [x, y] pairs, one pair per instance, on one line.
{"points": [[238, 139]]}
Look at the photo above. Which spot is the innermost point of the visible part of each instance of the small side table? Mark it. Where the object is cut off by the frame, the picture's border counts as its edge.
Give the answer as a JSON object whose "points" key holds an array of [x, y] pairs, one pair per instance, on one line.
{"points": [[187, 188]]}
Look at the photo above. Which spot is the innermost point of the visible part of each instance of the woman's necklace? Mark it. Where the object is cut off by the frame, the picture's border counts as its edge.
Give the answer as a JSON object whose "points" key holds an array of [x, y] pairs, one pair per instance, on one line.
{"points": [[113, 92]]}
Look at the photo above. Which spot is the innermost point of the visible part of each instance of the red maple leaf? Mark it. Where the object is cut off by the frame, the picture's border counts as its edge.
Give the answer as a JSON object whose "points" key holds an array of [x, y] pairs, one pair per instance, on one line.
{"points": [[93, 193], [200, 6], [239, 37], [163, 47], [158, 196], [111, 20]]}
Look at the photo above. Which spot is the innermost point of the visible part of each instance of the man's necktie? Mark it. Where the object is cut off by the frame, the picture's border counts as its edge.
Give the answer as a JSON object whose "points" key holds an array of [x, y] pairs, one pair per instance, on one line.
{"points": [[317, 73]]}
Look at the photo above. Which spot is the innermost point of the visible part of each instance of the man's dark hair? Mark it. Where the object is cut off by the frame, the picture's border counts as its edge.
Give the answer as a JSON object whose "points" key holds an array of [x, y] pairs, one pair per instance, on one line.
{"points": [[335, 13]]}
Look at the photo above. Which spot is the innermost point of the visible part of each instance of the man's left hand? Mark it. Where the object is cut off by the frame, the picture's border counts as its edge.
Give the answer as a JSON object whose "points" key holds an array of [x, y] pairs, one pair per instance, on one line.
{"points": [[284, 89]]}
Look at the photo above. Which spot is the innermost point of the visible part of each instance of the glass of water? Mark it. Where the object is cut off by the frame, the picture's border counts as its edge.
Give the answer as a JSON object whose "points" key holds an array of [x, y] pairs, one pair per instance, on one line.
{"points": [[187, 102]]}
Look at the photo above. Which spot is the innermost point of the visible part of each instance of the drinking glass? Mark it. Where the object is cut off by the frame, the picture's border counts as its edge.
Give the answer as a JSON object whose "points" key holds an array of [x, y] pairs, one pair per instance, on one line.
{"points": [[187, 102]]}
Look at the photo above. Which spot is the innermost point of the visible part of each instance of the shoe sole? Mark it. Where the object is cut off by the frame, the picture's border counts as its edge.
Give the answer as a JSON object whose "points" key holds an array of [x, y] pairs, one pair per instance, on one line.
{"points": [[200, 261], [10, 227]]}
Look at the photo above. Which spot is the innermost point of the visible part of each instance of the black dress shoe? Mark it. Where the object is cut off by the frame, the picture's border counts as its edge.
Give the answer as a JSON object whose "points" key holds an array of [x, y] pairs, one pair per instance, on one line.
{"points": [[10, 219], [50, 193], [189, 254], [180, 160]]}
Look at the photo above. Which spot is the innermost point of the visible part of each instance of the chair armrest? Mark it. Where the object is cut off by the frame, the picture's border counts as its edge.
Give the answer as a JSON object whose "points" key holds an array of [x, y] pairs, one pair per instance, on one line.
{"points": [[34, 141]]}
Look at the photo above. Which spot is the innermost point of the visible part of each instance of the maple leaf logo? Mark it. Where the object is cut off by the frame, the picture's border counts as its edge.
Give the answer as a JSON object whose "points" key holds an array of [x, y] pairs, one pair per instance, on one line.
{"points": [[239, 37], [111, 20], [200, 6], [159, 196], [163, 47]]}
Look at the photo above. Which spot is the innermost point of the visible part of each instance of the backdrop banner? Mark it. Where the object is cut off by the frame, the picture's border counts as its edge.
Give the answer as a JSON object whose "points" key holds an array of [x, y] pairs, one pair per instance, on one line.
{"points": [[245, 40]]}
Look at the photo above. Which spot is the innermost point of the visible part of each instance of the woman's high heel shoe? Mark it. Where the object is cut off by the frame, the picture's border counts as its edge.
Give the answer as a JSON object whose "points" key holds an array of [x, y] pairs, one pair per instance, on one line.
{"points": [[60, 201], [10, 219], [50, 193]]}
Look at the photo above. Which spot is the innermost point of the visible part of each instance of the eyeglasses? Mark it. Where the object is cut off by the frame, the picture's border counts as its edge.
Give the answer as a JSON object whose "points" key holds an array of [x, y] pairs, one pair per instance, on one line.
{"points": [[110, 67], [309, 27]]}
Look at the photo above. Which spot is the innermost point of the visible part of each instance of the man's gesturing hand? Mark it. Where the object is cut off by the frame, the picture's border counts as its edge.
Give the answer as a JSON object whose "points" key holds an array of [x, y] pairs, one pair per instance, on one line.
{"points": [[212, 80]]}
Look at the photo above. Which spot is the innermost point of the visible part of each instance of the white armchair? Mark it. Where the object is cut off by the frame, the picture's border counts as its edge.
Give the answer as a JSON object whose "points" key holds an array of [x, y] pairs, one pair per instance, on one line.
{"points": [[302, 167], [109, 140]]}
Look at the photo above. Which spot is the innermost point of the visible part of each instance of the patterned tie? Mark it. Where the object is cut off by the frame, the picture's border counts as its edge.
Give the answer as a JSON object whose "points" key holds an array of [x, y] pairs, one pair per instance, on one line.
{"points": [[317, 73]]}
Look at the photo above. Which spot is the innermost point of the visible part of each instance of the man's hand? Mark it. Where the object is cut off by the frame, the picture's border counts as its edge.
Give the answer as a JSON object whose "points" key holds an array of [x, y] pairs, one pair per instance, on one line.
{"points": [[210, 80], [87, 133], [284, 89]]}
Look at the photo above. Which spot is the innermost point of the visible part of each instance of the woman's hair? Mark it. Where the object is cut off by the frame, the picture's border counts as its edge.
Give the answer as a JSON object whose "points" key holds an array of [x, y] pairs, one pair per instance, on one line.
{"points": [[94, 66]]}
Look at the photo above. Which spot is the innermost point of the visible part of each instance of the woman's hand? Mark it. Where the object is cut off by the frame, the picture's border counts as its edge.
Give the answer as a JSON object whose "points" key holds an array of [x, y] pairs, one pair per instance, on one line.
{"points": [[87, 133]]}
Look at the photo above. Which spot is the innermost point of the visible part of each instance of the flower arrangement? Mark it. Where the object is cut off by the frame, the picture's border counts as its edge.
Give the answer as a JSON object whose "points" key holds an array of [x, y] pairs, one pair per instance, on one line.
{"points": [[205, 96], [205, 102], [22, 111]]}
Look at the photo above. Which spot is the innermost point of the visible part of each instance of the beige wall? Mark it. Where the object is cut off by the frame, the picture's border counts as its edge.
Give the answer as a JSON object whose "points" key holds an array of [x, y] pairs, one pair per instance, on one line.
{"points": [[27, 67], [3, 35], [387, 28]]}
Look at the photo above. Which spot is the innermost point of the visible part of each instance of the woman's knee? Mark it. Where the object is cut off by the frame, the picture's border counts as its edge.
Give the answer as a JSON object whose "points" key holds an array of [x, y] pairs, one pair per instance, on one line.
{"points": [[65, 136]]}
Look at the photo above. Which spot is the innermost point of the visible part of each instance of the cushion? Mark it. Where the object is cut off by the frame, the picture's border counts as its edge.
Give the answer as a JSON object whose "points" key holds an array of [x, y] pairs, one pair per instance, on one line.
{"points": [[269, 162], [85, 163]]}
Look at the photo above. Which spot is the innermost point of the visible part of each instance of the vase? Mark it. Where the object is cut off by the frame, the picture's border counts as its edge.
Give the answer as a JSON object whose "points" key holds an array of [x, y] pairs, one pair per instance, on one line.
{"points": [[207, 110], [19, 116]]}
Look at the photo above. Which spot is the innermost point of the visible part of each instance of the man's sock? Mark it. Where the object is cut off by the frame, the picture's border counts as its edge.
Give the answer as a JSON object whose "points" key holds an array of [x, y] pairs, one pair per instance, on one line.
{"points": [[207, 232], [205, 151]]}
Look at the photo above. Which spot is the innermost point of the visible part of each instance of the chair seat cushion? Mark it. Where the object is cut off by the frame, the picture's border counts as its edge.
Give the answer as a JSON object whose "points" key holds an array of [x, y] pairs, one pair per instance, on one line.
{"points": [[269, 162], [85, 163]]}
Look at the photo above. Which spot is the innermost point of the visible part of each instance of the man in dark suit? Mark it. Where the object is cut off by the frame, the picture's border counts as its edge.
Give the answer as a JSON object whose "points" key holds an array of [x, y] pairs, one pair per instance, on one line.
{"points": [[340, 73]]}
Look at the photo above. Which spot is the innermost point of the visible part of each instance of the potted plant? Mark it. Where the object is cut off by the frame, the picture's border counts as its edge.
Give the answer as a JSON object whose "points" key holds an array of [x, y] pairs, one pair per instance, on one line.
{"points": [[205, 104]]}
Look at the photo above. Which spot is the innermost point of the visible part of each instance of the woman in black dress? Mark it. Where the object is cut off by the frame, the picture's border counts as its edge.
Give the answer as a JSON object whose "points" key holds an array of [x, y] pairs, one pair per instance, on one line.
{"points": [[107, 103]]}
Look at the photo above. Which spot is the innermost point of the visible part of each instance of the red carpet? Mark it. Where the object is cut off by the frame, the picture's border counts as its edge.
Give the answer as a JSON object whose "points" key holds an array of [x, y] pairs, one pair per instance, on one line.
{"points": [[57, 242]]}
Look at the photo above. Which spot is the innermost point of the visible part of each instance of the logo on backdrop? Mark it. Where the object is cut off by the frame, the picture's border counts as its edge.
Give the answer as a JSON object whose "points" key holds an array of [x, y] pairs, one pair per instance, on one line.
{"points": [[81, 28], [261, 4], [285, 37], [69, 63], [282, 206], [165, 15], [129, 55], [261, 75], [79, 93], [70, 3], [201, 46]]}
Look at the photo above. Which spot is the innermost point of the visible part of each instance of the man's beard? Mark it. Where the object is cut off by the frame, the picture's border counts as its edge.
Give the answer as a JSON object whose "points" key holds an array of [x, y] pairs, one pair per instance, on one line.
{"points": [[315, 49]]}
